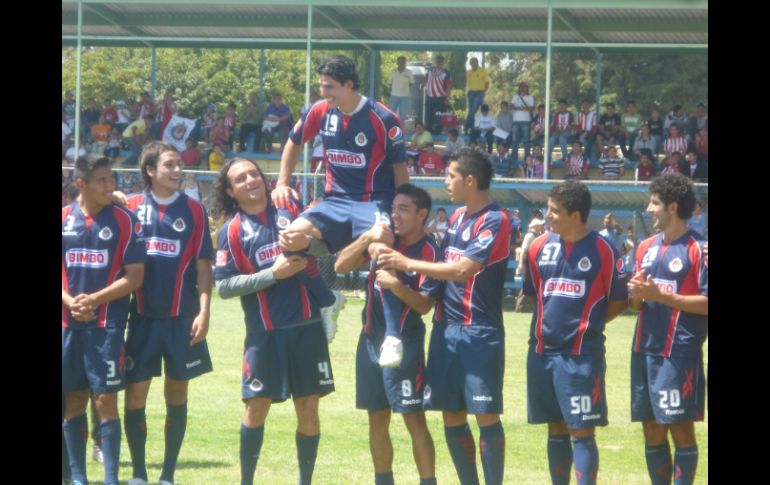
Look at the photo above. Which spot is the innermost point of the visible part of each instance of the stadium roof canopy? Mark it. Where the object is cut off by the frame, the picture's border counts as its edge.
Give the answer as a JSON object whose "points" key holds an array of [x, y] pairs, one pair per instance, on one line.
{"points": [[677, 26]]}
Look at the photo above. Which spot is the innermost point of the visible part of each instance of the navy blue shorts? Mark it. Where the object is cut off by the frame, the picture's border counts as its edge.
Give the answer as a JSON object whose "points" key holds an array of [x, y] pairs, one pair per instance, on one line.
{"points": [[667, 390], [400, 388], [92, 358], [151, 339], [566, 387], [287, 362], [465, 369], [341, 221]]}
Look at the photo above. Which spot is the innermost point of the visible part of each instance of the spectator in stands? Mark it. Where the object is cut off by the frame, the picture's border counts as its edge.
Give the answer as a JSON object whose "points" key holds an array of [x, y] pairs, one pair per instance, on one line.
{"points": [[251, 122], [562, 129], [216, 157], [702, 142], [675, 141], [694, 166], [671, 164], [231, 122], [477, 81], [575, 165], [109, 112], [484, 126], [420, 138], [630, 121], [437, 85], [504, 121], [697, 122], [438, 226], [145, 106], [628, 250], [535, 229], [166, 110], [69, 154], [453, 143], [135, 136], [538, 126], [69, 108], [124, 115], [522, 104], [611, 165], [609, 123], [677, 117], [644, 141], [502, 163], [100, 133], [656, 129], [699, 220], [430, 162], [276, 120], [208, 121], [88, 118], [219, 134], [529, 168], [646, 169], [66, 132], [613, 231], [192, 187], [400, 81], [599, 146], [191, 156], [410, 167], [586, 130], [113, 144], [516, 235]]}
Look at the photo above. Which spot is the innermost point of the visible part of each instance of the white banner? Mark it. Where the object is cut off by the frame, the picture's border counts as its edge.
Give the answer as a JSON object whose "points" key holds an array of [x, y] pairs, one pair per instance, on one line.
{"points": [[178, 130]]}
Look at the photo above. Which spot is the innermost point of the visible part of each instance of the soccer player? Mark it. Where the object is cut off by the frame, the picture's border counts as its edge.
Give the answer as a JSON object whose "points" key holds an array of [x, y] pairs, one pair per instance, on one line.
{"points": [[579, 280], [286, 351], [102, 263], [466, 358], [170, 311], [380, 390], [364, 157], [670, 290]]}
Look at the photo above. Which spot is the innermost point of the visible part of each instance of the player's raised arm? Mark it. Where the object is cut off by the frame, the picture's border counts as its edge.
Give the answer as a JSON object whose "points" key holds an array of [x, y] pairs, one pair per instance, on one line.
{"points": [[354, 255], [461, 270], [282, 192]]}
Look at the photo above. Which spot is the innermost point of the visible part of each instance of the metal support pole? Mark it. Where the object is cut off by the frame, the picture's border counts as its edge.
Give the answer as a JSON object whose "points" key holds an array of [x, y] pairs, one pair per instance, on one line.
{"points": [[598, 84], [546, 141], [262, 77], [372, 61], [153, 73], [77, 85], [308, 53], [483, 59]]}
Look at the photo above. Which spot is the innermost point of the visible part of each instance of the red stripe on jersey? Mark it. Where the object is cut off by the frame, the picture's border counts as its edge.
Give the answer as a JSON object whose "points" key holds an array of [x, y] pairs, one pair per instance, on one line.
{"points": [[240, 258], [600, 288], [690, 286], [134, 202], [140, 301], [404, 313], [427, 253], [672, 324], [640, 252], [264, 311], [457, 213], [537, 283], [191, 250], [65, 212], [305, 302], [124, 223], [378, 153], [65, 285], [312, 124], [468, 295], [502, 246]]}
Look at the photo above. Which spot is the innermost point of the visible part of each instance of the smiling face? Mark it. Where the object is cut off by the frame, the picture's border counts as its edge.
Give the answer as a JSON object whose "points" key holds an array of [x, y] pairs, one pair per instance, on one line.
{"points": [[456, 184], [245, 185], [334, 92], [661, 215], [98, 189], [407, 220], [560, 221], [165, 178]]}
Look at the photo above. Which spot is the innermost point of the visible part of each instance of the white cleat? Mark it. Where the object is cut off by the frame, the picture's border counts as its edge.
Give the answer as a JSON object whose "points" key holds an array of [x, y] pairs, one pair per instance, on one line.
{"points": [[138, 481], [330, 314], [391, 352], [165, 482]]}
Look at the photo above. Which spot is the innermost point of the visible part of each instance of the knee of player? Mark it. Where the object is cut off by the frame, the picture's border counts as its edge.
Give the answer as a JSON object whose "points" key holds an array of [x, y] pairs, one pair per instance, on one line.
{"points": [[415, 423], [683, 434], [577, 434], [107, 405], [256, 410], [379, 421], [175, 392]]}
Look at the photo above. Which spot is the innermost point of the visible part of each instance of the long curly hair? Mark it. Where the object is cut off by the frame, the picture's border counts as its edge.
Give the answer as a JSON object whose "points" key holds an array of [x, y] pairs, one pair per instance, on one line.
{"points": [[222, 204]]}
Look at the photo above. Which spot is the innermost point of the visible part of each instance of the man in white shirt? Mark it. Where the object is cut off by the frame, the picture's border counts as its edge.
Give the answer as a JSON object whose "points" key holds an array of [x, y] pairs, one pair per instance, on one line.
{"points": [[522, 104], [400, 80]]}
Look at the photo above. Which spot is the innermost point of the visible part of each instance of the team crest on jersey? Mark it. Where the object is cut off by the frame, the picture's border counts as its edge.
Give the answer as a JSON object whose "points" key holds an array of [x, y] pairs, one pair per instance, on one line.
{"points": [[394, 133], [138, 229], [282, 222], [426, 393], [675, 265], [105, 234], [620, 266], [584, 264], [221, 258], [484, 238], [466, 234], [256, 385], [129, 363], [179, 225], [411, 274], [361, 139]]}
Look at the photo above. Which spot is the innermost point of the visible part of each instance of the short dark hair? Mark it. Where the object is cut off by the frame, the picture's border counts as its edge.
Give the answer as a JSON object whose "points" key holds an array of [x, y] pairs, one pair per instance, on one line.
{"points": [[222, 203], [609, 105], [340, 68], [86, 165], [677, 188], [419, 196], [150, 156], [476, 162], [484, 107], [452, 131], [573, 196], [631, 102]]}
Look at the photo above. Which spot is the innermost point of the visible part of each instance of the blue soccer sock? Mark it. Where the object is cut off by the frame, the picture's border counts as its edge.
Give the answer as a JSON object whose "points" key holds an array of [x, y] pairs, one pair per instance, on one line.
{"points": [[428, 481], [307, 450], [76, 434], [384, 478], [492, 446], [176, 425], [462, 449], [392, 307], [135, 423], [685, 465], [110, 432], [560, 459], [315, 284], [586, 457], [659, 463], [251, 444]]}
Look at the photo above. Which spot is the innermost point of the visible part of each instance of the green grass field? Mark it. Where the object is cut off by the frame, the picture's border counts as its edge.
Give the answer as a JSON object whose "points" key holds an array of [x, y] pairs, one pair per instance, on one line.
{"points": [[210, 452]]}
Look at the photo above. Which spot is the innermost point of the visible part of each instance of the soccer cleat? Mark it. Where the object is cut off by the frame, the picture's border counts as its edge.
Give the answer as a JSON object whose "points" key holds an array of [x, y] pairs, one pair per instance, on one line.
{"points": [[391, 352], [138, 481], [165, 482], [97, 454], [330, 314]]}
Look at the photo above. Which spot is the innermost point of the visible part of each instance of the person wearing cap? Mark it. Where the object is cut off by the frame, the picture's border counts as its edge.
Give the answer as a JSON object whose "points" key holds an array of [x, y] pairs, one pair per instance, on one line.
{"points": [[438, 82], [522, 105], [478, 83], [562, 129]]}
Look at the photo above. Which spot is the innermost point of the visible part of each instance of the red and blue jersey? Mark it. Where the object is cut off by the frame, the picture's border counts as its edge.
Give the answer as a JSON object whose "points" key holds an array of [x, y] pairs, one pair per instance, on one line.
{"points": [[94, 251], [249, 244], [484, 237], [176, 236], [410, 321], [360, 149], [574, 283], [679, 267]]}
